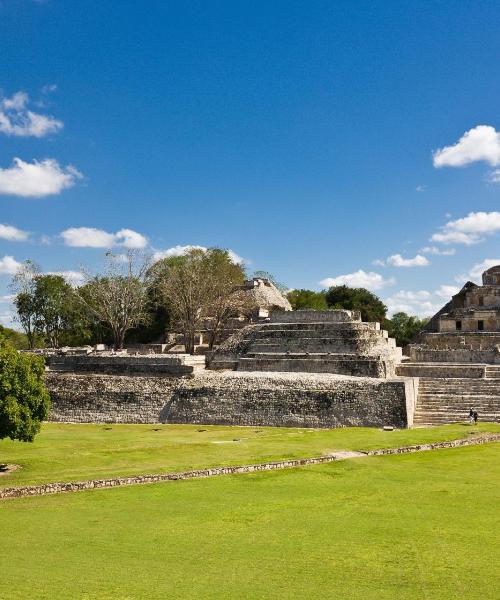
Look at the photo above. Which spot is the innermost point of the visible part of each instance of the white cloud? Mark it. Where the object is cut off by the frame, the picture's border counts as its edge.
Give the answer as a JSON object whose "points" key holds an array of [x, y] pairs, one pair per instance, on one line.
{"points": [[72, 277], [7, 298], [421, 303], [8, 265], [90, 237], [470, 229], [371, 280], [447, 291], [481, 143], [420, 188], [493, 176], [13, 234], [17, 120], [7, 319], [37, 179], [396, 260], [181, 250], [438, 251], [478, 269]]}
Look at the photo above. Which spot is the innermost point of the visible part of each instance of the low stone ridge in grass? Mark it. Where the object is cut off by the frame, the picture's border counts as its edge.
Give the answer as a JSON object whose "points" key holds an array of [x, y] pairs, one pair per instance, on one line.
{"points": [[73, 452]]}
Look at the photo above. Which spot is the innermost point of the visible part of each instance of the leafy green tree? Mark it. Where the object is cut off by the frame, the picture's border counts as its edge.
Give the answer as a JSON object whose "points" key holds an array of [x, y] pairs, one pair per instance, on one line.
{"points": [[15, 338], [405, 328], [307, 299], [54, 307], [24, 401], [370, 306]]}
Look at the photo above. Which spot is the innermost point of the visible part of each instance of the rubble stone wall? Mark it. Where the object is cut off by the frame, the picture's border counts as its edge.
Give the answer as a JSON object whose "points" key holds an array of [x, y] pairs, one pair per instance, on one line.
{"points": [[235, 398]]}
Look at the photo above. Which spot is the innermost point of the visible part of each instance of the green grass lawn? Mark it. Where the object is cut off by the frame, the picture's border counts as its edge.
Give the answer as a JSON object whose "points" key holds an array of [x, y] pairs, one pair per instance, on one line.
{"points": [[419, 526], [65, 452]]}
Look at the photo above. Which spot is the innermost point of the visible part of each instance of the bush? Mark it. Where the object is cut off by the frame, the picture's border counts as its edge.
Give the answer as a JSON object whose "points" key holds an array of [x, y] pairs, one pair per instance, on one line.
{"points": [[24, 400]]}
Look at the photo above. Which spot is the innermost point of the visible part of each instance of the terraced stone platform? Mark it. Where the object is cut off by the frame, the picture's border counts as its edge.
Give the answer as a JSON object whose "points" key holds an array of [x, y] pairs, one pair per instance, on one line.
{"points": [[335, 341]]}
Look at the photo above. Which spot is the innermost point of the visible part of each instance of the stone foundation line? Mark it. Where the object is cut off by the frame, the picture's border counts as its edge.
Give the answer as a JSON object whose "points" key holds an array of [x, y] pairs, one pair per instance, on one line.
{"points": [[76, 486]]}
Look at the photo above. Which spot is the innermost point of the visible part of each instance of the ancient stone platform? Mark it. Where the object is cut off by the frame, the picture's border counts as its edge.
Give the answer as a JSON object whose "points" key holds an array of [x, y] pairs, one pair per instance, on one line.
{"points": [[335, 341], [232, 398]]}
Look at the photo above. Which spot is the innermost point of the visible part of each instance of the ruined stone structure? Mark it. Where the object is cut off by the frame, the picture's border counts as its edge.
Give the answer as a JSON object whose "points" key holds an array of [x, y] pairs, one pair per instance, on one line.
{"points": [[334, 341], [232, 398], [300, 369], [467, 328]]}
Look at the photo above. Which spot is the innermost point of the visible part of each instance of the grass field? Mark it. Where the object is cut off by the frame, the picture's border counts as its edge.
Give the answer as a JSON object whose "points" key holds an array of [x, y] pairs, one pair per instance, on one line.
{"points": [[64, 452], [395, 527], [402, 527]]}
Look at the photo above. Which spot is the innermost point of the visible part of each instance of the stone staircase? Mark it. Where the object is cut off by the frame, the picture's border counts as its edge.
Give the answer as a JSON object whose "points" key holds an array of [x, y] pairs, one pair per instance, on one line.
{"points": [[313, 342], [448, 400]]}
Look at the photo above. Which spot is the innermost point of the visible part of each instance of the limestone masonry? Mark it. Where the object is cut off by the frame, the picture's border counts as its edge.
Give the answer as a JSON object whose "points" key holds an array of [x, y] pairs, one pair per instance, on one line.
{"points": [[232, 398], [334, 341]]}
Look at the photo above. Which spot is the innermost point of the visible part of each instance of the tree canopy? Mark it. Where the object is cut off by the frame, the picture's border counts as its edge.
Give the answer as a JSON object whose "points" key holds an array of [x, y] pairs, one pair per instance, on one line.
{"points": [[404, 328], [199, 285], [370, 306], [24, 401], [307, 299]]}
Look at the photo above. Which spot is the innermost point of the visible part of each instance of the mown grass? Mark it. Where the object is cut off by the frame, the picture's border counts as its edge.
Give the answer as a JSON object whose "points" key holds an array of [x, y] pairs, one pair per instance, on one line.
{"points": [[408, 527], [68, 452]]}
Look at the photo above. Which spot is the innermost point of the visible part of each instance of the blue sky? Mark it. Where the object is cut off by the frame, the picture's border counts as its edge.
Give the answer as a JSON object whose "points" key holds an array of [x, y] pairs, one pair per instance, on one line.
{"points": [[322, 141]]}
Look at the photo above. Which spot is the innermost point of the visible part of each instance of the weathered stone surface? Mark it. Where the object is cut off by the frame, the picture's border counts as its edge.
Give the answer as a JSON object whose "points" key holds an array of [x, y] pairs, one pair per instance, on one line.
{"points": [[308, 341], [233, 398]]}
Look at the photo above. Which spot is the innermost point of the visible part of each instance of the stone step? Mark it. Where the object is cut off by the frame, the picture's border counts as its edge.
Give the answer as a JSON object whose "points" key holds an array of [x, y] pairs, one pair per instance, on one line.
{"points": [[341, 365]]}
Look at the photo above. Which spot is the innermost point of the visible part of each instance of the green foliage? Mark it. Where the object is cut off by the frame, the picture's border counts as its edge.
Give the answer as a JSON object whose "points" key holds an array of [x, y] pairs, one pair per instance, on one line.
{"points": [[307, 299], [24, 401], [370, 306], [15, 338], [404, 328]]}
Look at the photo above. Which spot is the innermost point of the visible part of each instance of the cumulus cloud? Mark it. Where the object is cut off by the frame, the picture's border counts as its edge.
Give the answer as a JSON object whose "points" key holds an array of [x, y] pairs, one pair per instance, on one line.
{"points": [[8, 265], [481, 143], [13, 234], [90, 237], [37, 179], [468, 230], [74, 278], [369, 280], [421, 303], [181, 250], [438, 251], [478, 269], [396, 260], [447, 291], [17, 120]]}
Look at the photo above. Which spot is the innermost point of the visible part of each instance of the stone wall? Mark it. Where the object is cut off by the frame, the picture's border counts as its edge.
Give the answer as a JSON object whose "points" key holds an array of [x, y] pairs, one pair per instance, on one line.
{"points": [[233, 398]]}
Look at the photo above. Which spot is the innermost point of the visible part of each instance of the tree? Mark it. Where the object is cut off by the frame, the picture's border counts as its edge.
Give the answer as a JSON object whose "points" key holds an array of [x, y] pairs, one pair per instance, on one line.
{"points": [[199, 285], [54, 307], [23, 284], [224, 299], [404, 328], [119, 297], [14, 338], [24, 401], [307, 299], [370, 306]]}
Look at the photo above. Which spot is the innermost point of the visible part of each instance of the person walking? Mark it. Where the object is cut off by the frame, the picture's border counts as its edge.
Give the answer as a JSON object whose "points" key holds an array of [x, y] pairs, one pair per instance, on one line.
{"points": [[475, 416], [471, 415]]}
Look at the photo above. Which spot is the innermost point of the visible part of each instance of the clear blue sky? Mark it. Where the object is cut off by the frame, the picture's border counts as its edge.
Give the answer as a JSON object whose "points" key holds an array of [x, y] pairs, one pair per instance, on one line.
{"points": [[298, 134]]}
